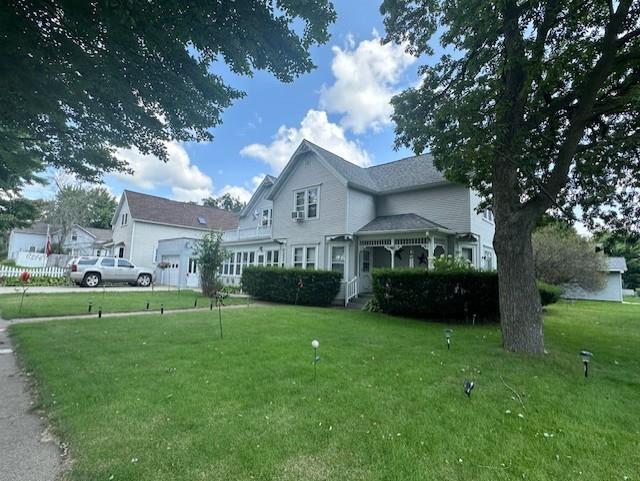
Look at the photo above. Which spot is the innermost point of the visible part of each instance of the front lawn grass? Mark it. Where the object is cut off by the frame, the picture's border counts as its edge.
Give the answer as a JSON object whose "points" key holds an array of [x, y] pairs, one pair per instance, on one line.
{"points": [[632, 299], [156, 398], [76, 303]]}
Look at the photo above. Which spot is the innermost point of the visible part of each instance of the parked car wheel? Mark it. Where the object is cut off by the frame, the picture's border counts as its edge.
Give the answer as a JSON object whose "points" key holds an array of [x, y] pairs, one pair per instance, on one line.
{"points": [[91, 279], [144, 280]]}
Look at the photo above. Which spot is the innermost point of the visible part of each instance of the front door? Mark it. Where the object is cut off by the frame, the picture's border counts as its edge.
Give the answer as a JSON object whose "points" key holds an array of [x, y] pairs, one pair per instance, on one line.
{"points": [[365, 271]]}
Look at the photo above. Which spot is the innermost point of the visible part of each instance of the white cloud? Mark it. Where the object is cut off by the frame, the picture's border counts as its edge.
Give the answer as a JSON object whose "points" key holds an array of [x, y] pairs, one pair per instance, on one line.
{"points": [[243, 193], [187, 181], [366, 77], [316, 128]]}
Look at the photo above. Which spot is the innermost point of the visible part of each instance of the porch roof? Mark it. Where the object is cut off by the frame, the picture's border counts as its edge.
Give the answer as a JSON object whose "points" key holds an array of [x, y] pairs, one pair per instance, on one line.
{"points": [[399, 223]]}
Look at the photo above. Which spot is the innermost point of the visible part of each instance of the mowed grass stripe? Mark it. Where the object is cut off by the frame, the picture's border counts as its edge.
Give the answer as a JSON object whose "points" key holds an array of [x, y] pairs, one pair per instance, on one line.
{"points": [[388, 402]]}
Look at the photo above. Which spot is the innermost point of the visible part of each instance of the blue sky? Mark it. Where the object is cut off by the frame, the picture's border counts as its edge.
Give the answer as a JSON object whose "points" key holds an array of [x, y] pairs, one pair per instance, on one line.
{"points": [[342, 106]]}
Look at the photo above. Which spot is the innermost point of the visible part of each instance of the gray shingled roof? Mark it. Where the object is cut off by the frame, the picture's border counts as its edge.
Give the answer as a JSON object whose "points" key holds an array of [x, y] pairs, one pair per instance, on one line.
{"points": [[392, 176], [617, 264], [151, 208], [101, 235], [400, 222], [38, 227]]}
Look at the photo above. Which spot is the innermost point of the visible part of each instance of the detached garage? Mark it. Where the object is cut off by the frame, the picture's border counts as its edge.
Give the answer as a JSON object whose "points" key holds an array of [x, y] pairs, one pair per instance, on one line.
{"points": [[179, 257], [612, 290]]}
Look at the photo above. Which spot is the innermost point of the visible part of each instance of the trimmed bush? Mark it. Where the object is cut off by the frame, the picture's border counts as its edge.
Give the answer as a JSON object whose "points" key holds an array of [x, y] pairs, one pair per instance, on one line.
{"points": [[35, 281], [454, 295], [549, 294], [291, 286]]}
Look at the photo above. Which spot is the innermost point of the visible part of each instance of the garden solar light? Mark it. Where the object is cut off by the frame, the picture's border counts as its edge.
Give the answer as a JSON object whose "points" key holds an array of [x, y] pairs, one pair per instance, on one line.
{"points": [[89, 307], [147, 305], [448, 333], [161, 309], [99, 312], [195, 303], [315, 344], [468, 387], [586, 358]]}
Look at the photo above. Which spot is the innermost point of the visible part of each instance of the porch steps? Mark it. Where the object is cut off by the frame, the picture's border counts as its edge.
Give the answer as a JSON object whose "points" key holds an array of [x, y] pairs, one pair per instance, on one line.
{"points": [[360, 301]]}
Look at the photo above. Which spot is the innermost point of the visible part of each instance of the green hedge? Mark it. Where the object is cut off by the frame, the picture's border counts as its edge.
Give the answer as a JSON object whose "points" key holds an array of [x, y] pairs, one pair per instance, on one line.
{"points": [[291, 286], [438, 295], [35, 281], [549, 294]]}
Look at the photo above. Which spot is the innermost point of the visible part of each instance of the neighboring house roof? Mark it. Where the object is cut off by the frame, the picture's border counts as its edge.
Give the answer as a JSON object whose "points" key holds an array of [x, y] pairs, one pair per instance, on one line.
{"points": [[265, 185], [617, 264], [100, 235], [38, 227], [404, 174], [400, 222], [150, 208]]}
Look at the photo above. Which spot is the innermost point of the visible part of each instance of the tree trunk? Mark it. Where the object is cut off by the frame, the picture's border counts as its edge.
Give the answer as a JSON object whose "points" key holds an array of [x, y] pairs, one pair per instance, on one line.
{"points": [[520, 308]]}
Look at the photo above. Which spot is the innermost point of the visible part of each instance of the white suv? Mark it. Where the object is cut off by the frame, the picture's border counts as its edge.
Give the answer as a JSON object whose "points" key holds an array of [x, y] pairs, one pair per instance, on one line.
{"points": [[92, 271]]}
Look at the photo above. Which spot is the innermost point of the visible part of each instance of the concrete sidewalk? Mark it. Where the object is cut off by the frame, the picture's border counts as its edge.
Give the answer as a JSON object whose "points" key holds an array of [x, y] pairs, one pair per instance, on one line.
{"points": [[27, 451], [156, 312]]}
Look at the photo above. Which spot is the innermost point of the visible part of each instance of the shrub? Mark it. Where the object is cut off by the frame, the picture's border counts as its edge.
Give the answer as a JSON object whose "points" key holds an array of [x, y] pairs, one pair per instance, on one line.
{"points": [[8, 263], [211, 254], [452, 264], [35, 281], [456, 295], [549, 294], [291, 286]]}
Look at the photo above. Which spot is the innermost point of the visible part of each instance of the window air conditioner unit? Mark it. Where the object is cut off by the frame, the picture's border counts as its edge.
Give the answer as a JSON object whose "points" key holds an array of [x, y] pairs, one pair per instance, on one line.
{"points": [[297, 215]]}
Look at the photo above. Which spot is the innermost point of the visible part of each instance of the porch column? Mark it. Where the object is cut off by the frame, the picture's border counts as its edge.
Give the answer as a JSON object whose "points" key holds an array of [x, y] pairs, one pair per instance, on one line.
{"points": [[432, 247], [411, 258], [392, 250]]}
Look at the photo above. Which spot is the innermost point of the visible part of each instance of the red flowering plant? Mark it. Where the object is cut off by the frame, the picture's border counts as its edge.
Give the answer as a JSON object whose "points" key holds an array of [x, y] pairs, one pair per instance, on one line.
{"points": [[24, 278]]}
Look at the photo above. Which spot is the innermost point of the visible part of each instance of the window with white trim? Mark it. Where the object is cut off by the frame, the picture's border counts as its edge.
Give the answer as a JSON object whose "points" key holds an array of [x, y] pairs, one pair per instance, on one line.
{"points": [[467, 253], [487, 215], [266, 217], [488, 259], [338, 259], [193, 265], [307, 201], [125, 219], [304, 257]]}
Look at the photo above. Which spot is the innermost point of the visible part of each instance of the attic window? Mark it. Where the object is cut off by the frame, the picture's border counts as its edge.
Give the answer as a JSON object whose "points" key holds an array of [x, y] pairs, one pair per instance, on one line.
{"points": [[201, 221]]}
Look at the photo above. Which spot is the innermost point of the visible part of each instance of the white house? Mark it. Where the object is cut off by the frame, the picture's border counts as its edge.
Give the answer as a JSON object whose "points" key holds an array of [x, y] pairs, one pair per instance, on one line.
{"points": [[142, 220], [87, 241], [29, 239], [324, 212], [612, 290]]}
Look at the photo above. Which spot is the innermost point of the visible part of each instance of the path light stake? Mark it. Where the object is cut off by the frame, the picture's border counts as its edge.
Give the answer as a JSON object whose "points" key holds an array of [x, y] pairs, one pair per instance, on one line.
{"points": [[195, 303], [586, 358], [147, 305], [99, 312], [315, 344], [447, 335], [161, 309], [211, 305], [90, 306]]}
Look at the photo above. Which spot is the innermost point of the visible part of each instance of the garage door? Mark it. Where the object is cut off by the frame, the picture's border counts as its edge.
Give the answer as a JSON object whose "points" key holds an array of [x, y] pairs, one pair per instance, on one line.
{"points": [[171, 273]]}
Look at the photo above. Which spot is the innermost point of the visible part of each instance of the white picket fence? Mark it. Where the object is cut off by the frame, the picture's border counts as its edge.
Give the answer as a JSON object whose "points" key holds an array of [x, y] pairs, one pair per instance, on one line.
{"points": [[6, 271]]}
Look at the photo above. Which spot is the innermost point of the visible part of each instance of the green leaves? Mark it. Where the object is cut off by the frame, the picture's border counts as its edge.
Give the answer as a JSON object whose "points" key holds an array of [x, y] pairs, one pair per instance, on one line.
{"points": [[78, 80]]}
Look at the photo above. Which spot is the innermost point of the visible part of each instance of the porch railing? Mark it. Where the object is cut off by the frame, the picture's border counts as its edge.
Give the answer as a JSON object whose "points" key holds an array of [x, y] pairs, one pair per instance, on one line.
{"points": [[247, 233], [350, 290]]}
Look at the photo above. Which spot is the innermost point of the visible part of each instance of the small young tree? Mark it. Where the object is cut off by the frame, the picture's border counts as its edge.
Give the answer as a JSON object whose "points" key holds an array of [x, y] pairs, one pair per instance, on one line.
{"points": [[210, 254], [562, 256]]}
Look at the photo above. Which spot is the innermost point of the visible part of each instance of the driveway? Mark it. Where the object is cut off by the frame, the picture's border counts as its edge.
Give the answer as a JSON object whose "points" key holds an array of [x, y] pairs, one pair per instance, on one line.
{"points": [[27, 451]]}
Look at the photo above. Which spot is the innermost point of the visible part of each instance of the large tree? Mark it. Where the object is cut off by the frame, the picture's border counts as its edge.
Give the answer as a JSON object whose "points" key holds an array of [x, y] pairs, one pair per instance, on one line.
{"points": [[226, 202], [101, 206], [81, 79], [536, 105]]}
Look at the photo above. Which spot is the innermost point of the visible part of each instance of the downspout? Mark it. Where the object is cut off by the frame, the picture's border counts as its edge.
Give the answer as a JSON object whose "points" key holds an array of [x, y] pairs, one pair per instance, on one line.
{"points": [[133, 230]]}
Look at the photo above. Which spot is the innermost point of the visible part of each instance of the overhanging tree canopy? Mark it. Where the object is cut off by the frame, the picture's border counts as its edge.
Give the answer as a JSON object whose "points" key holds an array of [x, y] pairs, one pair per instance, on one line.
{"points": [[536, 106], [80, 79]]}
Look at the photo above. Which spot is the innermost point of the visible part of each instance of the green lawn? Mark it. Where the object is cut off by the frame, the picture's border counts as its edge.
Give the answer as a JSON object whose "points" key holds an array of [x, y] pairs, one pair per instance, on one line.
{"points": [[633, 299], [73, 303], [166, 399]]}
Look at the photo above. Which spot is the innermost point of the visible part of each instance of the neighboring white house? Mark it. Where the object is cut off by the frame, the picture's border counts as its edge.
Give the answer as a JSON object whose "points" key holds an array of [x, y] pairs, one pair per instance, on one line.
{"points": [[29, 239], [324, 212], [142, 220], [612, 290], [86, 241]]}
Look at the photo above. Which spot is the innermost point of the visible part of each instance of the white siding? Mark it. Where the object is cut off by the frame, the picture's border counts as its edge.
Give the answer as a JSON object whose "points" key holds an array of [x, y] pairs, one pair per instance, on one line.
{"points": [[332, 208], [21, 241], [484, 229], [147, 235], [448, 205], [82, 246], [122, 233], [248, 221], [612, 291], [361, 209]]}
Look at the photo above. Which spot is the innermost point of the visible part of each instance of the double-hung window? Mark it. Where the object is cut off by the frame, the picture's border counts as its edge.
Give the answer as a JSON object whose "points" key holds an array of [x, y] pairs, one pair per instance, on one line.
{"points": [[487, 215], [304, 257], [266, 217], [338, 259], [308, 201]]}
